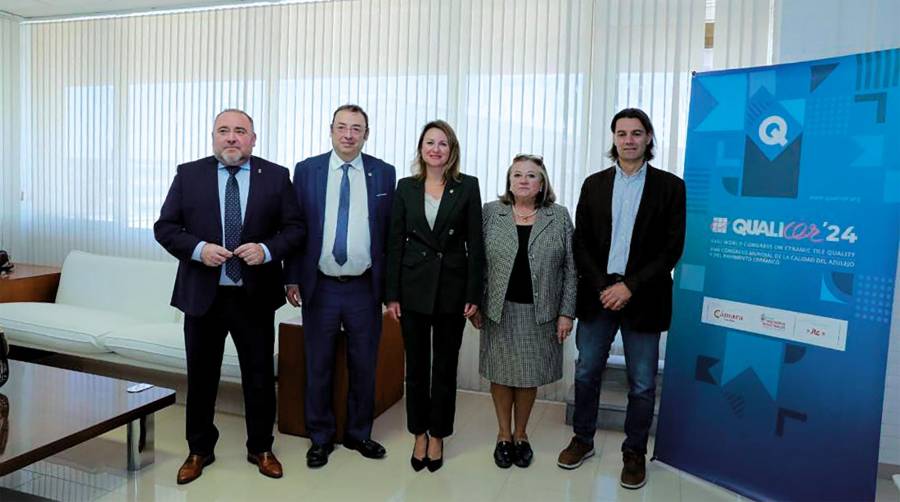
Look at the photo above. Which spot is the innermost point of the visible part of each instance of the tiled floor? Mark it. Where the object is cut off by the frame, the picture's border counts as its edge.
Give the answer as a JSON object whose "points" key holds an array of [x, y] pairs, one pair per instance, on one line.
{"points": [[96, 470]]}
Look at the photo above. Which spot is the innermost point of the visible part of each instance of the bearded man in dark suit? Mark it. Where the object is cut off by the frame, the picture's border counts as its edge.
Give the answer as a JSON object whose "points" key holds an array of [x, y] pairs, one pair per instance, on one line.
{"points": [[230, 219]]}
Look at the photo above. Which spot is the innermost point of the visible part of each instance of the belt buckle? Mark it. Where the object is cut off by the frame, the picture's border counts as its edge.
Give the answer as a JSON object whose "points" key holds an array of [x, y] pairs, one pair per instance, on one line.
{"points": [[342, 278]]}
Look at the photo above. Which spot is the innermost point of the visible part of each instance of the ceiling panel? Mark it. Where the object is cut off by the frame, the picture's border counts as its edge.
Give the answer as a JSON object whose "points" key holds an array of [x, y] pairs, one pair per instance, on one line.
{"points": [[36, 9]]}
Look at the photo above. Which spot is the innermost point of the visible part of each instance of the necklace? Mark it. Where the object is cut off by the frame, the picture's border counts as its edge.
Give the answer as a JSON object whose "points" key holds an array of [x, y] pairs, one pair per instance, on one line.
{"points": [[524, 216]]}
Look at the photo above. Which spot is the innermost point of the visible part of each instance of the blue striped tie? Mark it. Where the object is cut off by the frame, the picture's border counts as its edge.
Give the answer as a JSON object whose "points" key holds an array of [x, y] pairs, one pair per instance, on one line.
{"points": [[233, 223], [340, 236]]}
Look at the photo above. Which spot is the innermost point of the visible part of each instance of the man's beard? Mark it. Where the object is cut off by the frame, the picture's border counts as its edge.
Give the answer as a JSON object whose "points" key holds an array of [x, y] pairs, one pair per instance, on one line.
{"points": [[231, 159]]}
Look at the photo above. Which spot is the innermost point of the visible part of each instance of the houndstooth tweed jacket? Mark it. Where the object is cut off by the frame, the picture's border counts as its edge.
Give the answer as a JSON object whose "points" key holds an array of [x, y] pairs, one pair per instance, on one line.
{"points": [[553, 276]]}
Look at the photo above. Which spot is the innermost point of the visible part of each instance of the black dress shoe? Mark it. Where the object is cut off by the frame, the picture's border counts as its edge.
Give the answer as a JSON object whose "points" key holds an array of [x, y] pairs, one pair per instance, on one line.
{"points": [[524, 454], [434, 464], [418, 463], [317, 455], [366, 447], [504, 454]]}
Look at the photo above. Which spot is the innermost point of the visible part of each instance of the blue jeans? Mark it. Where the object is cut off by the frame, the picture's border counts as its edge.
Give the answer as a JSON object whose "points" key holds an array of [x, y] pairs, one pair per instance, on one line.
{"points": [[593, 339]]}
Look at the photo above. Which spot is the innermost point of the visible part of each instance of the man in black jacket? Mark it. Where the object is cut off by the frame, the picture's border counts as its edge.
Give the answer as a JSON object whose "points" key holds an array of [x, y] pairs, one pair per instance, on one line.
{"points": [[629, 234]]}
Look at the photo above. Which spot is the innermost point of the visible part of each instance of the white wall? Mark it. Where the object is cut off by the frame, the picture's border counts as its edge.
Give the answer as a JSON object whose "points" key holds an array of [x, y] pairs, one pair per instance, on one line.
{"points": [[815, 29]]}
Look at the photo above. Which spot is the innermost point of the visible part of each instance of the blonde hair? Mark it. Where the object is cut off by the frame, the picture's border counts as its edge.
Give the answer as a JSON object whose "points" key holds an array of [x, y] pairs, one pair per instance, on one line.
{"points": [[545, 197]]}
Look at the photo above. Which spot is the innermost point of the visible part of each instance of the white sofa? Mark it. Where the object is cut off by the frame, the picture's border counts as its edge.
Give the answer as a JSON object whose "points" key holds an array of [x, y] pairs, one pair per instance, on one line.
{"points": [[117, 310]]}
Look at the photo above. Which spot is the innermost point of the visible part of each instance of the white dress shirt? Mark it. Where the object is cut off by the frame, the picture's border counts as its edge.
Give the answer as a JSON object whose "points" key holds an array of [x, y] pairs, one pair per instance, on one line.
{"points": [[359, 247]]}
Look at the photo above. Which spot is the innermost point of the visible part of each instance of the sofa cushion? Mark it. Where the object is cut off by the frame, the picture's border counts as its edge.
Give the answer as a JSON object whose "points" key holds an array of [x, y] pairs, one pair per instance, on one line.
{"points": [[141, 289], [58, 327], [163, 344]]}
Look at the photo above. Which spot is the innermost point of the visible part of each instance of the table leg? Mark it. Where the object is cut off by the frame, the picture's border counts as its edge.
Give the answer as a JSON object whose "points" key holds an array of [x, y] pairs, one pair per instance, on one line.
{"points": [[140, 442]]}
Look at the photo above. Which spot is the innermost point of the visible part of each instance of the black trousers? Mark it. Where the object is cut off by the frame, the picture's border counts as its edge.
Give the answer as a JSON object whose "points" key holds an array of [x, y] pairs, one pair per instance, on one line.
{"points": [[253, 332], [432, 344]]}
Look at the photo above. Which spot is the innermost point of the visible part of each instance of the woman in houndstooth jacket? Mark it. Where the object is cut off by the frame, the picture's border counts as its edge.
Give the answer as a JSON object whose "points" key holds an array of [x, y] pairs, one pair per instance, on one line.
{"points": [[529, 300]]}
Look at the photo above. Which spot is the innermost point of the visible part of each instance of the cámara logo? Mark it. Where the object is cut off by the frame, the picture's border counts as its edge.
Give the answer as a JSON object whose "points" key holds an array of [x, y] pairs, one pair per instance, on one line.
{"points": [[727, 316]]}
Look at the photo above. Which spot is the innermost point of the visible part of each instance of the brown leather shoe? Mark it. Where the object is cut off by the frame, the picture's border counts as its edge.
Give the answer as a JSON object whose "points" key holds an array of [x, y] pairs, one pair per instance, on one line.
{"points": [[193, 466], [634, 470], [267, 463]]}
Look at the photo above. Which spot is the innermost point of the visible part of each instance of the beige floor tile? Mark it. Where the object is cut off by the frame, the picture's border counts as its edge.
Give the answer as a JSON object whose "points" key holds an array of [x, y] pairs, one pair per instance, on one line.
{"points": [[695, 489], [887, 491], [468, 478], [96, 470]]}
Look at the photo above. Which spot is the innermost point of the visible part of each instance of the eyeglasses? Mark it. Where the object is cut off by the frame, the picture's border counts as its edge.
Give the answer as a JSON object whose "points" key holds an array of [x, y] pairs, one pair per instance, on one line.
{"points": [[354, 130], [537, 159]]}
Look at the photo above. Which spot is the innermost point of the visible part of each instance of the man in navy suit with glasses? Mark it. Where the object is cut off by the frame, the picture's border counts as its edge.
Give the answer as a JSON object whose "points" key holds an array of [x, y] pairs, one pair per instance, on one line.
{"points": [[345, 199]]}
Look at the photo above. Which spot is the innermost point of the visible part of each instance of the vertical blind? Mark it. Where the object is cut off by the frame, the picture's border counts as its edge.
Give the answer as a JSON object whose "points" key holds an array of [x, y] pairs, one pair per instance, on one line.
{"points": [[109, 107], [743, 33], [116, 103], [10, 79]]}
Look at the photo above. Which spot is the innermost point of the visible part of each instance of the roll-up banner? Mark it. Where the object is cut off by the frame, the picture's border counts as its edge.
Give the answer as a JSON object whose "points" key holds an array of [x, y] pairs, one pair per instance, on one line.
{"points": [[776, 358]]}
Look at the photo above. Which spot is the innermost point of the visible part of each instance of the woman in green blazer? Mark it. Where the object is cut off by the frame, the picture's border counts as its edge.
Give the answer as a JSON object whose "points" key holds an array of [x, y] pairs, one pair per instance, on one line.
{"points": [[434, 283]]}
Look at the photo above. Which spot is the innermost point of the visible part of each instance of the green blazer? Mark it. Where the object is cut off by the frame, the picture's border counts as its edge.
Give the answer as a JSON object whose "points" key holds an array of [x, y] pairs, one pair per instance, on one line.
{"points": [[435, 270]]}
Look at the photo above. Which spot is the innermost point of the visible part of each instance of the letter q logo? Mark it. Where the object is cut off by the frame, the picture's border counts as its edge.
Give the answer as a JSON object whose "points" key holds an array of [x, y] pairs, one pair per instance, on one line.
{"points": [[773, 131]]}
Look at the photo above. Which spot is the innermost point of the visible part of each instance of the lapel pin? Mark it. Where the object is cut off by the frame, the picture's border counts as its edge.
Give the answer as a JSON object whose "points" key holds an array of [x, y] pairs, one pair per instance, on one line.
{"points": [[259, 171]]}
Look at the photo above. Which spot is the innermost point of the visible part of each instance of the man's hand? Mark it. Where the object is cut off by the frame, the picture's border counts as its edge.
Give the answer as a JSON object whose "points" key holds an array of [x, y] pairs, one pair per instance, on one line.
{"points": [[393, 309], [251, 252], [616, 296], [292, 293], [213, 255], [470, 310], [563, 328]]}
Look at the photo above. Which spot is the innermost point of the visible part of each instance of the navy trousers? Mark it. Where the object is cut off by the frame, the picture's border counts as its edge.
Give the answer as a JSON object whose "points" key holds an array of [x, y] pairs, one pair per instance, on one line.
{"points": [[350, 305]]}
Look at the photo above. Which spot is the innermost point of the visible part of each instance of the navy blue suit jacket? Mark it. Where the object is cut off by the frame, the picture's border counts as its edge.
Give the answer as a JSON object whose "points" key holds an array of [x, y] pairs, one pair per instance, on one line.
{"points": [[191, 214], [310, 183]]}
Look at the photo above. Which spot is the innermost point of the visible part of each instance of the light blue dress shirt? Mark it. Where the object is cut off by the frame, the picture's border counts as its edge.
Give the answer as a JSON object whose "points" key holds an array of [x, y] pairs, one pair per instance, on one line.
{"points": [[626, 199], [243, 181], [359, 243]]}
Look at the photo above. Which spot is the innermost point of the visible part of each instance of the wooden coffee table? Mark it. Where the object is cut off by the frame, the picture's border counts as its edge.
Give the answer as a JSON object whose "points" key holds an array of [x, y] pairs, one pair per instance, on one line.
{"points": [[52, 409]]}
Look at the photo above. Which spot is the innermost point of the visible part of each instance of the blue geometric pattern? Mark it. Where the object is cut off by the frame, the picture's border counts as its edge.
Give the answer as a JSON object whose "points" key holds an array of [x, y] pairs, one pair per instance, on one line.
{"points": [[759, 354], [769, 124], [793, 198]]}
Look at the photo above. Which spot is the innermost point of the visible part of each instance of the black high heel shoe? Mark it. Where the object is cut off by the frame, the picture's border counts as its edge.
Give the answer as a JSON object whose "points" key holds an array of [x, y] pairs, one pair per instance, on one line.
{"points": [[436, 463], [419, 463]]}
